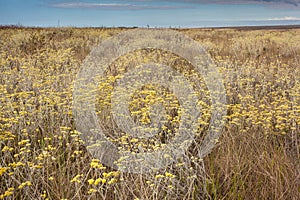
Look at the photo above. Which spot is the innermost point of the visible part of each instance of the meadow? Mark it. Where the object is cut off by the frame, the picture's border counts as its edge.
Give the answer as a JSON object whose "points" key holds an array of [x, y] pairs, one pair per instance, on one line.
{"points": [[42, 155]]}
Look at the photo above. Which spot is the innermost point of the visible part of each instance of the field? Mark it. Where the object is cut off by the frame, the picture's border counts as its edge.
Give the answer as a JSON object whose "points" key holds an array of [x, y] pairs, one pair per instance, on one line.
{"points": [[256, 157]]}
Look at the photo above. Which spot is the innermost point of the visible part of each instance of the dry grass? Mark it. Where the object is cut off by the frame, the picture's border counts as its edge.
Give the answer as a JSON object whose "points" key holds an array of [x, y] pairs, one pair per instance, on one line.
{"points": [[43, 157]]}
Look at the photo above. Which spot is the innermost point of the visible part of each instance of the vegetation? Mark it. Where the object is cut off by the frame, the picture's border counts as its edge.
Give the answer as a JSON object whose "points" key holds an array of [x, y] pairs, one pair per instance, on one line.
{"points": [[43, 156]]}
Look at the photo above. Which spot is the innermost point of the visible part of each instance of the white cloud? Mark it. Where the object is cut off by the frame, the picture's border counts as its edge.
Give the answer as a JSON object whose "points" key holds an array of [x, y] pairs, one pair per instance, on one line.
{"points": [[114, 6], [295, 4], [287, 18], [88, 5]]}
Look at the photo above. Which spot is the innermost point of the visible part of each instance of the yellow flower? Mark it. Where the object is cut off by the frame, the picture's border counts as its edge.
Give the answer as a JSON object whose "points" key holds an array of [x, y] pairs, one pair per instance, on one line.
{"points": [[91, 181], [44, 195], [77, 178], [169, 175], [98, 180], [159, 176], [27, 183], [96, 165], [6, 148], [134, 140], [170, 186], [3, 170], [7, 193], [92, 190], [112, 181]]}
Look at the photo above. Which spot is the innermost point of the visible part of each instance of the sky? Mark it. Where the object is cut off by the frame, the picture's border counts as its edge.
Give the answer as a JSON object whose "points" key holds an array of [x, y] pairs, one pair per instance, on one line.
{"points": [[152, 13]]}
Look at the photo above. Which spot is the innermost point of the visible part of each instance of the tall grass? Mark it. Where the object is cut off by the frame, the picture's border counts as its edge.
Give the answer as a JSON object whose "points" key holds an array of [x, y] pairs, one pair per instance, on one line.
{"points": [[43, 156]]}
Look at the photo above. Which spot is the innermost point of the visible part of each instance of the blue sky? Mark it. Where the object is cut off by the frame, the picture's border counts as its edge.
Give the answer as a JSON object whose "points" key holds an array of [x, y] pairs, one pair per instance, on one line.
{"points": [[175, 13]]}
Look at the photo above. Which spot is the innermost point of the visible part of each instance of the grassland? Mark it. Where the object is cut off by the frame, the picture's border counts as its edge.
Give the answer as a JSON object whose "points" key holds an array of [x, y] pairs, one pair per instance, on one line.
{"points": [[43, 156]]}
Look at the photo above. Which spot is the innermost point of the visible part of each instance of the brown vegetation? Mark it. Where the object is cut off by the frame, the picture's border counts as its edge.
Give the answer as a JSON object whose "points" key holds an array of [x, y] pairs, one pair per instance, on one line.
{"points": [[43, 156]]}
